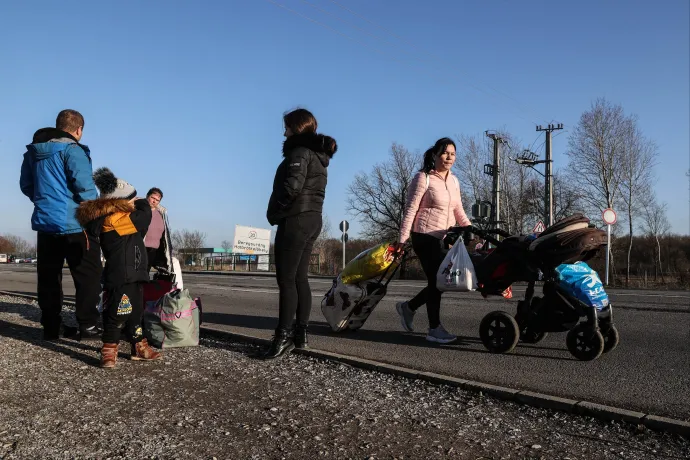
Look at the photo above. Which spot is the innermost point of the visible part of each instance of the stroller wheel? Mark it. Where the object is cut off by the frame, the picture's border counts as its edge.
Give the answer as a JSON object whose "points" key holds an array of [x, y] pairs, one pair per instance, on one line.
{"points": [[584, 342], [530, 336], [611, 339], [499, 332]]}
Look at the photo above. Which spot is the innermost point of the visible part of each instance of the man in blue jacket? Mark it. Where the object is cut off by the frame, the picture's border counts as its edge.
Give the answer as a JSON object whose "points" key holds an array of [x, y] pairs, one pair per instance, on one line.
{"points": [[57, 176]]}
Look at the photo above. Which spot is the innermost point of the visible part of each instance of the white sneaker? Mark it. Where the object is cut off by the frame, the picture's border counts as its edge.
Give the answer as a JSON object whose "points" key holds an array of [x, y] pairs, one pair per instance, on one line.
{"points": [[406, 315], [440, 335]]}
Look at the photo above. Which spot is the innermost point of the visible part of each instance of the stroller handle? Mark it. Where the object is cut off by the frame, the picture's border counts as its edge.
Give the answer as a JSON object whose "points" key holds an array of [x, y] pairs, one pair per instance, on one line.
{"points": [[467, 234], [479, 231], [491, 231]]}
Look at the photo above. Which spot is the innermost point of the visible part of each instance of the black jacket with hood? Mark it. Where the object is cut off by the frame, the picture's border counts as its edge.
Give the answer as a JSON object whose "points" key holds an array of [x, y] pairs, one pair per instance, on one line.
{"points": [[300, 182], [121, 227]]}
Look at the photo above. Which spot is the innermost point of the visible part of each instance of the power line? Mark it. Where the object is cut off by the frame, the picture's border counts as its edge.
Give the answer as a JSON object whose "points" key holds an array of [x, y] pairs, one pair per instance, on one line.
{"points": [[304, 16], [544, 142], [379, 51], [434, 56], [318, 8], [535, 141]]}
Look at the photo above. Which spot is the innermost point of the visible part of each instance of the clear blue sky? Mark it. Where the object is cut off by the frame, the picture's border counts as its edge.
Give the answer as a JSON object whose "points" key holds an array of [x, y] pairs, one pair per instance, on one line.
{"points": [[188, 96]]}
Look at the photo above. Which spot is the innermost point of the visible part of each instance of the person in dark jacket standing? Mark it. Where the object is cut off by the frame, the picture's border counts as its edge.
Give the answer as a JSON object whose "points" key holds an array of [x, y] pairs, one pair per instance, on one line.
{"points": [[56, 175], [120, 221], [296, 207]]}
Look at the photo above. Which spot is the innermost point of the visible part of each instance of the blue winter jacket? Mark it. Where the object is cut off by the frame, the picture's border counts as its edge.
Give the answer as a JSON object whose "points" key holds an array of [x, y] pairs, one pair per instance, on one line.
{"points": [[56, 176]]}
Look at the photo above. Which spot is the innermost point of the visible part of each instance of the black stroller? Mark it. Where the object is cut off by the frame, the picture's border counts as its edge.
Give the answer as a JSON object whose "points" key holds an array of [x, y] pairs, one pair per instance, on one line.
{"points": [[559, 309]]}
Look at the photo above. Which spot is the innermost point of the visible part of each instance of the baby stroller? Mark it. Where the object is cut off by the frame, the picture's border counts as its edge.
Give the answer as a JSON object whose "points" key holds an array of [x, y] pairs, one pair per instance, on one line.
{"points": [[571, 290]]}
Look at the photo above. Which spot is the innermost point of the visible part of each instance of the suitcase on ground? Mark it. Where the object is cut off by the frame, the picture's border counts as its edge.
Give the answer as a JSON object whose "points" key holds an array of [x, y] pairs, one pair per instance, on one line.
{"points": [[348, 306]]}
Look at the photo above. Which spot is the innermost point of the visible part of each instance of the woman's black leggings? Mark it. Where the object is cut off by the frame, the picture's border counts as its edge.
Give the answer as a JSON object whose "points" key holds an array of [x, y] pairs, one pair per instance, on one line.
{"points": [[431, 252], [294, 242]]}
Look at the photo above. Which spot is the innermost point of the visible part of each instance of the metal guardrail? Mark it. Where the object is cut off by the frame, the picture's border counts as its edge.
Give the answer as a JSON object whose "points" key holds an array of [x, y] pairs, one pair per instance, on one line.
{"points": [[251, 263]]}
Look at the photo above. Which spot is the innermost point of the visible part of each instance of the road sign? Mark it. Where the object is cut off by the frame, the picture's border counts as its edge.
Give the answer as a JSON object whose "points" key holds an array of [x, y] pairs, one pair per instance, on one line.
{"points": [[609, 216], [344, 226], [344, 237], [540, 227]]}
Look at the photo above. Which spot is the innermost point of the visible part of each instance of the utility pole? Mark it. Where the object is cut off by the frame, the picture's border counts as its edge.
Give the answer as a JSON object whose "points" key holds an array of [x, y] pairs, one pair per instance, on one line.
{"points": [[548, 174], [495, 171]]}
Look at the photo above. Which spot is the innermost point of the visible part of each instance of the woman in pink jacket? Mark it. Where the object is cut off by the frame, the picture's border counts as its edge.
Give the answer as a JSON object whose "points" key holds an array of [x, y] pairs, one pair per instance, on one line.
{"points": [[433, 206]]}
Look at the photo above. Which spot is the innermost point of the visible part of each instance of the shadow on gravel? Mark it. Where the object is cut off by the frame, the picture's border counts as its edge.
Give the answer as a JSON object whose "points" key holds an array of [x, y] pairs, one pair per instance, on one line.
{"points": [[322, 329], [33, 335], [69, 298], [21, 310], [250, 350]]}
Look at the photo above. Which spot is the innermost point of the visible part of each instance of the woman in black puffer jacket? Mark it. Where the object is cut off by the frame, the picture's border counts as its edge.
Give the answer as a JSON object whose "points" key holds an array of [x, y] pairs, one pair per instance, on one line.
{"points": [[296, 206]]}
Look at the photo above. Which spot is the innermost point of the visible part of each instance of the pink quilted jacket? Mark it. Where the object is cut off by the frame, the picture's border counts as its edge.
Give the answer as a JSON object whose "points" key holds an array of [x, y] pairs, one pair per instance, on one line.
{"points": [[433, 210]]}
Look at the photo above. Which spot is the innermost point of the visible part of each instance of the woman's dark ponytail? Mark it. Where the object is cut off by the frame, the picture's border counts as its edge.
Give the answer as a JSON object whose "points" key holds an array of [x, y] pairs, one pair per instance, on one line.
{"points": [[429, 161]]}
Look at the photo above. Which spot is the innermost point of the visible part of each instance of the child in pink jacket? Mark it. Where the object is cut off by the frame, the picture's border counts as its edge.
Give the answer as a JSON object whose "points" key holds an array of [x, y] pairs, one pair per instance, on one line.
{"points": [[433, 205]]}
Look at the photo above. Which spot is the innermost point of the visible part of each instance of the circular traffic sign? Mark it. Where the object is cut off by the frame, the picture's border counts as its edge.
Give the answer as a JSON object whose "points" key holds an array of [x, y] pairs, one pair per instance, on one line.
{"points": [[609, 216]]}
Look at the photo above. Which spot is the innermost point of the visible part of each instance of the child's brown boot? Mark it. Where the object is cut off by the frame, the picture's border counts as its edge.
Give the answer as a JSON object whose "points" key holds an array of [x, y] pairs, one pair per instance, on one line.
{"points": [[142, 351], [109, 355]]}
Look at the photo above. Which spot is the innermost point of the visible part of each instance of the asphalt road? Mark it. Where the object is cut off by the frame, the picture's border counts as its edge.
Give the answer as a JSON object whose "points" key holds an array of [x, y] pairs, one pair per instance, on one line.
{"points": [[649, 371]]}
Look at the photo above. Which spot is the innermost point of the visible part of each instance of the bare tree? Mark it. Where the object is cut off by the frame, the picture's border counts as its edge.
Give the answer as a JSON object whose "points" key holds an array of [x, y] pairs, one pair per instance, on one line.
{"points": [[5, 245], [639, 159], [324, 236], [326, 227], [472, 154], [195, 241], [226, 245], [514, 184], [18, 246], [178, 243], [596, 150], [656, 225], [378, 198], [566, 198], [189, 242]]}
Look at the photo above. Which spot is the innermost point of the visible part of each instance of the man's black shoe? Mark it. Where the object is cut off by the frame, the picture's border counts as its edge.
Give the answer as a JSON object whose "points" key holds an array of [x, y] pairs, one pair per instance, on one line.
{"points": [[51, 334], [91, 333], [70, 332]]}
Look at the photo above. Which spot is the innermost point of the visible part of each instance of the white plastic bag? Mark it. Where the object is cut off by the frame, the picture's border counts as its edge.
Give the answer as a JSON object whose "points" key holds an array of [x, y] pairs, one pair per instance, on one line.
{"points": [[456, 273], [177, 270]]}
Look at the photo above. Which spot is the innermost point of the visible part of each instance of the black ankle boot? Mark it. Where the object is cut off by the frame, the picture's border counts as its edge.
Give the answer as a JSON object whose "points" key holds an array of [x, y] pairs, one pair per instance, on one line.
{"points": [[282, 343], [301, 337]]}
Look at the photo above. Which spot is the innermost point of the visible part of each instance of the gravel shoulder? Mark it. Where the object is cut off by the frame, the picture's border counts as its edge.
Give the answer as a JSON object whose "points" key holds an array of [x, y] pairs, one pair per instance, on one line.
{"points": [[218, 400]]}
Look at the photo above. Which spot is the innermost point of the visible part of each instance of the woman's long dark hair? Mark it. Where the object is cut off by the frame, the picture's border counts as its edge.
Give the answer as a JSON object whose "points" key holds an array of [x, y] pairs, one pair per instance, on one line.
{"points": [[439, 147], [300, 121]]}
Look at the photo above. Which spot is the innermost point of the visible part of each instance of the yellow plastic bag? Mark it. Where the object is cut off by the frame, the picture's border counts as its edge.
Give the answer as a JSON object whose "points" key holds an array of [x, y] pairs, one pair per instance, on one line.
{"points": [[369, 264]]}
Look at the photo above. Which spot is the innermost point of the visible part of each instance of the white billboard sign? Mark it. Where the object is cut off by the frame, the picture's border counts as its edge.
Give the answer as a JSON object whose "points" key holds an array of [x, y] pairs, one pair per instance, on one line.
{"points": [[251, 240]]}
